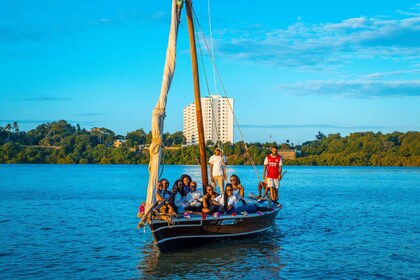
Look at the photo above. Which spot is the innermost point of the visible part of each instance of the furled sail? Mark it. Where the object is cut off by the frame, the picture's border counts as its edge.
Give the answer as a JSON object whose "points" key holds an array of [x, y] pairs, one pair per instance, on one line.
{"points": [[158, 114]]}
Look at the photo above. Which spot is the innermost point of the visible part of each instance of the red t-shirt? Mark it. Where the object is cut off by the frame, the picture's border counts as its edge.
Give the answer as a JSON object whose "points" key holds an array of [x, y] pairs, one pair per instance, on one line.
{"points": [[273, 166]]}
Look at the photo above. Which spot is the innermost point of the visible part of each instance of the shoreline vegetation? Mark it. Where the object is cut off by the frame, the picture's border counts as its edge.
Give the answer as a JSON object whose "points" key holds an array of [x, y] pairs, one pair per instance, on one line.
{"points": [[61, 143]]}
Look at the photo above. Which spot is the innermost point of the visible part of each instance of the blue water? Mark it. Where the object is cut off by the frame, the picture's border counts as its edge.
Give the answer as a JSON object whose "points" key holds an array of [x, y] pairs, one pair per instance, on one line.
{"points": [[79, 221]]}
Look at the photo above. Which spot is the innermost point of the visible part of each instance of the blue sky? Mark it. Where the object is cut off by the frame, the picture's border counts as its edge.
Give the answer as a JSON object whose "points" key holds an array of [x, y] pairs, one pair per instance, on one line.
{"points": [[293, 68]]}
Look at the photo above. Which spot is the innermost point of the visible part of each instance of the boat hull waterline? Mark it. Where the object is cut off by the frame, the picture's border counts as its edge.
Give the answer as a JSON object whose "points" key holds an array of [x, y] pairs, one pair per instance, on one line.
{"points": [[195, 231]]}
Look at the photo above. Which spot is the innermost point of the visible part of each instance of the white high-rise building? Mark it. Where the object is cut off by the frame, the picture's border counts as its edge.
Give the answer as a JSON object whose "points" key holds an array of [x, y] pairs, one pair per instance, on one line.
{"points": [[217, 120]]}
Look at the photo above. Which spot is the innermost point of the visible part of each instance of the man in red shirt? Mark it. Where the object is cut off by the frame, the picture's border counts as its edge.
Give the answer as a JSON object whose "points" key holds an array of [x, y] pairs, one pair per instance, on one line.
{"points": [[273, 165]]}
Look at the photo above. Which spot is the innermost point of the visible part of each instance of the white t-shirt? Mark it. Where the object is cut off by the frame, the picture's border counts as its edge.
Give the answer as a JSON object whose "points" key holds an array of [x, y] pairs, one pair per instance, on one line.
{"points": [[218, 162], [194, 198], [232, 200], [238, 198]]}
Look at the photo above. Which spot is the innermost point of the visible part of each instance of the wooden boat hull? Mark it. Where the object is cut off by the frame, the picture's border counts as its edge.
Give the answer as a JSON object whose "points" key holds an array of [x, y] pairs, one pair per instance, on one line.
{"points": [[197, 231]]}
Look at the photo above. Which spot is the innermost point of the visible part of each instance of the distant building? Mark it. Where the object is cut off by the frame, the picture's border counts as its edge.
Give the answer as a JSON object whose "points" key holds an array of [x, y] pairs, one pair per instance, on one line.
{"points": [[95, 129], [288, 154], [217, 119], [118, 143]]}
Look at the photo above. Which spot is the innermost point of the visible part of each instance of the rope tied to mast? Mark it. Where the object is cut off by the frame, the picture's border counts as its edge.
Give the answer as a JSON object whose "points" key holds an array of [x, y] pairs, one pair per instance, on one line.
{"points": [[179, 4], [157, 141]]}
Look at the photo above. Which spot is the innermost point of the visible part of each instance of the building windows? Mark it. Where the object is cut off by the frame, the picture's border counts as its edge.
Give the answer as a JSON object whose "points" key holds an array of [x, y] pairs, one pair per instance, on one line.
{"points": [[217, 117]]}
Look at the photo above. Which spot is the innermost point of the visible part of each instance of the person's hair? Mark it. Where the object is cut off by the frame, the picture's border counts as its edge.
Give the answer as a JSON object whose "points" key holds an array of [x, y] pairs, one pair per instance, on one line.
{"points": [[274, 146], [238, 181], [225, 197], [164, 185], [176, 184], [195, 184], [183, 176]]}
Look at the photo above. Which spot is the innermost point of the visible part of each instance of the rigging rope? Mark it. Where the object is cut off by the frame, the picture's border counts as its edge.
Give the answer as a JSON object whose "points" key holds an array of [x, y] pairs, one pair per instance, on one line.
{"points": [[225, 93], [211, 45], [207, 84]]}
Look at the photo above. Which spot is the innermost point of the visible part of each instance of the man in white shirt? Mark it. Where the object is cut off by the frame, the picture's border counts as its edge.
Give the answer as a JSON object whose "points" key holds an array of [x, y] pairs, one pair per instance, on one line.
{"points": [[218, 169]]}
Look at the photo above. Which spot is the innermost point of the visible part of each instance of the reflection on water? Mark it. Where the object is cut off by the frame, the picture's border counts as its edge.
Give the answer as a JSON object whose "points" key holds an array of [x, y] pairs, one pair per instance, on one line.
{"points": [[258, 256]]}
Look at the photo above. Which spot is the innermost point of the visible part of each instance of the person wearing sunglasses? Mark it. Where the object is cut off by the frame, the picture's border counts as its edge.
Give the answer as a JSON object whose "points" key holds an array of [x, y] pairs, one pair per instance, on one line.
{"points": [[177, 200], [238, 189], [218, 169], [162, 194], [227, 201]]}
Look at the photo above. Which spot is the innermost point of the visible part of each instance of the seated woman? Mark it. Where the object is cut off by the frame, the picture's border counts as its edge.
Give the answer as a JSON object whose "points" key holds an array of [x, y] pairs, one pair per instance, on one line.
{"points": [[163, 194], [227, 201], [194, 199], [236, 184], [179, 201], [186, 181], [239, 200], [210, 206]]}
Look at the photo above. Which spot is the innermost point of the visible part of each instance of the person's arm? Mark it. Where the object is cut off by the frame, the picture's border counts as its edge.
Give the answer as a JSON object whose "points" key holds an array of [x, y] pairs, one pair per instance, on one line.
{"points": [[241, 190], [190, 198], [224, 162], [265, 167], [217, 200], [211, 169], [232, 202], [205, 204], [159, 197], [280, 168], [211, 172], [224, 172]]}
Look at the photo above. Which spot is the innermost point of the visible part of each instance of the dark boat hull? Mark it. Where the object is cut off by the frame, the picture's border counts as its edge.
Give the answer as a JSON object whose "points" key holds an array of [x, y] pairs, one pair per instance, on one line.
{"points": [[195, 231]]}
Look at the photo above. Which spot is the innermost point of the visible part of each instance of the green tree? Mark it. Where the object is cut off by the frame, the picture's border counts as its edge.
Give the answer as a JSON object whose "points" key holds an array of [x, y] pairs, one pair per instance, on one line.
{"points": [[8, 128], [136, 138]]}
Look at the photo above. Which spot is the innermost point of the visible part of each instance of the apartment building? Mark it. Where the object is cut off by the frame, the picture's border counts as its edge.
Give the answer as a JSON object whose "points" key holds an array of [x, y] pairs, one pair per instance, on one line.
{"points": [[217, 119]]}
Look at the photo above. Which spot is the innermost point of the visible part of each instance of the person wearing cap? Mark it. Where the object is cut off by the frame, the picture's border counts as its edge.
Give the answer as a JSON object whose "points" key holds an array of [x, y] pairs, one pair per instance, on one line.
{"points": [[273, 165], [218, 169]]}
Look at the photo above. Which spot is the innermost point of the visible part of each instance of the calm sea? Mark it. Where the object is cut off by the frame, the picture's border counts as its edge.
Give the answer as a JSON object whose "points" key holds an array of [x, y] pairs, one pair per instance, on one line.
{"points": [[79, 222]]}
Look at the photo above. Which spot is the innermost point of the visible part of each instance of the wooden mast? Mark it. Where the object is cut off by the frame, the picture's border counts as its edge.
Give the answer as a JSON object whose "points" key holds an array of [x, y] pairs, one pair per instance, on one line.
{"points": [[197, 97]]}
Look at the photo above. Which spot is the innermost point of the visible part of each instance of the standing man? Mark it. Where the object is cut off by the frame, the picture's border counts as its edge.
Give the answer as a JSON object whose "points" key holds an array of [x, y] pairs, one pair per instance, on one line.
{"points": [[218, 169], [273, 165]]}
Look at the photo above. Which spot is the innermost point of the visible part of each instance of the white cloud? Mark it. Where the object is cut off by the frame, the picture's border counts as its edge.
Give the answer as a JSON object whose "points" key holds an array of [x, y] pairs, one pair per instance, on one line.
{"points": [[305, 45], [391, 73], [354, 88]]}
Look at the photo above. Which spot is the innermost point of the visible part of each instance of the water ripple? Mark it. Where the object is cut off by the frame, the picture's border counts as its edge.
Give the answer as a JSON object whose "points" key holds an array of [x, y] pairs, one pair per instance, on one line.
{"points": [[337, 223]]}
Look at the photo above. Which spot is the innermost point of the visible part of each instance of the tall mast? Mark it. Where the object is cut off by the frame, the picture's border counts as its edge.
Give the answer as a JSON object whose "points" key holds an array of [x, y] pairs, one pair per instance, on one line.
{"points": [[197, 97]]}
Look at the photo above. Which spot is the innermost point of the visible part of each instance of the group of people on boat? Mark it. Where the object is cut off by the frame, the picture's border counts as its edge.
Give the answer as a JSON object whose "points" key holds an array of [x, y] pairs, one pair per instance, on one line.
{"points": [[185, 198]]}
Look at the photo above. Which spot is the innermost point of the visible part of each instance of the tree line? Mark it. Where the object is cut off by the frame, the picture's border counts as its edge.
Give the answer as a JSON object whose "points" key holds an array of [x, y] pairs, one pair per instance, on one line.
{"points": [[60, 142]]}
